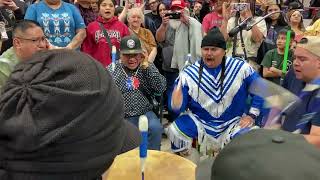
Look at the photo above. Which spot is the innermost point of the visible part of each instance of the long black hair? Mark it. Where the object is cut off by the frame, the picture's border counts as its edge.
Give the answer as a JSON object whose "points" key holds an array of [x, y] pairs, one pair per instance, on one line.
{"points": [[280, 22]]}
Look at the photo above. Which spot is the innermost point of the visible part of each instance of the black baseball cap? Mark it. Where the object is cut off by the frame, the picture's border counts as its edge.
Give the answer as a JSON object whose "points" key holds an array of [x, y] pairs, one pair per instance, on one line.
{"points": [[130, 45]]}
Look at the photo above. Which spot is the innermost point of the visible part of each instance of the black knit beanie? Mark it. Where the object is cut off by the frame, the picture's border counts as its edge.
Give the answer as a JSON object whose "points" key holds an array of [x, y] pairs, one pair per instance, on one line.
{"points": [[214, 38]]}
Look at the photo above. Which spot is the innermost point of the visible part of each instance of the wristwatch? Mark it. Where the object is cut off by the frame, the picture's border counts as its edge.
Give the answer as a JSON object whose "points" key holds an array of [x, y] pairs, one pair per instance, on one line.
{"points": [[253, 116]]}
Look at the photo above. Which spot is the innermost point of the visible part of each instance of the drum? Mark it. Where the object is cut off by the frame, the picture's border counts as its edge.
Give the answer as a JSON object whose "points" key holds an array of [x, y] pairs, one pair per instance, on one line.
{"points": [[158, 166]]}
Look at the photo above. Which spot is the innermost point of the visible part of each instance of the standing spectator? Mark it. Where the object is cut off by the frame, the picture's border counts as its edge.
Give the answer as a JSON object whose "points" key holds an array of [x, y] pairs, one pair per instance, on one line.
{"points": [[206, 8], [273, 60], [135, 19], [61, 22], [28, 38], [138, 80], [161, 10], [153, 19], [10, 13], [178, 37], [296, 22], [86, 10], [106, 31], [214, 18], [95, 7], [252, 39], [196, 10], [274, 23]]}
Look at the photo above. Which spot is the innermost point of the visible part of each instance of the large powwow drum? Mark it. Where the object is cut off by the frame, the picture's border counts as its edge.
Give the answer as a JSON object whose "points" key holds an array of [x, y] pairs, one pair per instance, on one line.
{"points": [[158, 166]]}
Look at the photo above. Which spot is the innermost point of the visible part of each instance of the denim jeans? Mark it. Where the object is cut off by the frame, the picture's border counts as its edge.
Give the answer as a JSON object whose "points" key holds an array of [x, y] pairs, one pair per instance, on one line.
{"points": [[154, 132]]}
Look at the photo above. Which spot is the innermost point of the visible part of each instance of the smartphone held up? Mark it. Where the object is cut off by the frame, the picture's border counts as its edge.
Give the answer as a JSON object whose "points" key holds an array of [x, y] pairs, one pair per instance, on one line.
{"points": [[173, 15]]}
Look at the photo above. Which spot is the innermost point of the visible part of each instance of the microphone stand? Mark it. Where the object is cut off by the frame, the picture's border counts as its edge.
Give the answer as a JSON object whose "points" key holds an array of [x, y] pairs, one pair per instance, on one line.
{"points": [[249, 26], [245, 24]]}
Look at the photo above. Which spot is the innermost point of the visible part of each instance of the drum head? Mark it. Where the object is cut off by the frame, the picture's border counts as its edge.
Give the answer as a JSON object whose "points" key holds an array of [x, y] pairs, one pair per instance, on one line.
{"points": [[158, 166]]}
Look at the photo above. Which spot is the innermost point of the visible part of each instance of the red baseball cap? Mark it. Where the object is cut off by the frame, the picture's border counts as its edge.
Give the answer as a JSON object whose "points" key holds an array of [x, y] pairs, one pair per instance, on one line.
{"points": [[178, 4]]}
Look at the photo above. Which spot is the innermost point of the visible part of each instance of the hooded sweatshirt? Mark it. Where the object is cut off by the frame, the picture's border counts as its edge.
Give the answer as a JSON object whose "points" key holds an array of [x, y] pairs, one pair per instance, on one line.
{"points": [[97, 45]]}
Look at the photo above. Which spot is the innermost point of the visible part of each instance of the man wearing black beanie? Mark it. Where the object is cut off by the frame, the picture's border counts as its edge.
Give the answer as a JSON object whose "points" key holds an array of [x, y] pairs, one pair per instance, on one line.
{"points": [[214, 90]]}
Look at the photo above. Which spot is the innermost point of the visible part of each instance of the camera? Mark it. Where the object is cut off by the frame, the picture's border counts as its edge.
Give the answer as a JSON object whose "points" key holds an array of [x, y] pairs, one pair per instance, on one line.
{"points": [[239, 6], [173, 15]]}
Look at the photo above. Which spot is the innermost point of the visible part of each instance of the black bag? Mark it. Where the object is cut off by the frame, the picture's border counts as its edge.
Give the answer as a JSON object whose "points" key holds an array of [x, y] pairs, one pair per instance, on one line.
{"points": [[263, 49]]}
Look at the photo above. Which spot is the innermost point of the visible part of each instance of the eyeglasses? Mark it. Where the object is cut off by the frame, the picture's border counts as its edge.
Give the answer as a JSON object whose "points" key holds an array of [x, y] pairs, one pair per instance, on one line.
{"points": [[133, 56], [36, 41]]}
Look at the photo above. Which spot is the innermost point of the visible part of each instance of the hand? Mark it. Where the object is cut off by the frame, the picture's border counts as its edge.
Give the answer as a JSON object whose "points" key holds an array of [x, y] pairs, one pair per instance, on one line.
{"points": [[165, 21], [183, 18], [247, 13], [10, 5], [275, 70], [127, 5], [226, 11], [246, 121], [177, 96]]}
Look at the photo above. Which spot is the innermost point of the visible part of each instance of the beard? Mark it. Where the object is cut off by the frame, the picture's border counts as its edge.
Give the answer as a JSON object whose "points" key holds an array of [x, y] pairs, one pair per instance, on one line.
{"points": [[174, 23]]}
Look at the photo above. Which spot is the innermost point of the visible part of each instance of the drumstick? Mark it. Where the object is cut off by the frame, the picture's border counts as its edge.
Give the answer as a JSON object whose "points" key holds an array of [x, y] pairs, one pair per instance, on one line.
{"points": [[114, 53], [143, 127]]}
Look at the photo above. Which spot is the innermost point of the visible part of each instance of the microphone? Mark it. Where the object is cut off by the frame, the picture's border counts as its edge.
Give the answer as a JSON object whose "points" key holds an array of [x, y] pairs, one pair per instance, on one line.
{"points": [[143, 127], [234, 31]]}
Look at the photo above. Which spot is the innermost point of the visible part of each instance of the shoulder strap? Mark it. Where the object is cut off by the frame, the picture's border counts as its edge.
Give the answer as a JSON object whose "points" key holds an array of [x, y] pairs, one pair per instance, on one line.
{"points": [[106, 35]]}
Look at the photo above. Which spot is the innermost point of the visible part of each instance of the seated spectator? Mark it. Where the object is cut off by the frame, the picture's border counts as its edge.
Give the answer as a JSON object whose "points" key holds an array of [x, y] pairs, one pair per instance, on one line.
{"points": [[61, 118], [11, 12], [135, 18], [196, 10], [106, 31], [292, 84], [215, 18], [274, 23], [28, 38], [138, 81], [296, 23], [86, 10], [306, 118], [314, 28], [61, 22], [267, 154], [273, 60]]}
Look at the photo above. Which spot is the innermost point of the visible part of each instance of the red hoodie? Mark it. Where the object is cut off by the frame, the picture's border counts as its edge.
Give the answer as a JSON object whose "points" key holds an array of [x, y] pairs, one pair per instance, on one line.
{"points": [[96, 44]]}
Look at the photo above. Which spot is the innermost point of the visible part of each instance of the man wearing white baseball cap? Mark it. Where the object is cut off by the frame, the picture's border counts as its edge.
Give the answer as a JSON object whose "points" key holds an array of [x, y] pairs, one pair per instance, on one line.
{"points": [[306, 117]]}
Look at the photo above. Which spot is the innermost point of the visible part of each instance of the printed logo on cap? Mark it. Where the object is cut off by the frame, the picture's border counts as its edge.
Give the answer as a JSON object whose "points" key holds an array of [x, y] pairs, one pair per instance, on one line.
{"points": [[177, 2], [131, 43]]}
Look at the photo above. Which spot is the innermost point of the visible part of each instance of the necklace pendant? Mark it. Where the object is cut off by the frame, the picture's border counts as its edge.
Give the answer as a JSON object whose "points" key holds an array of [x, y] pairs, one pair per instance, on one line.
{"points": [[133, 83]]}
